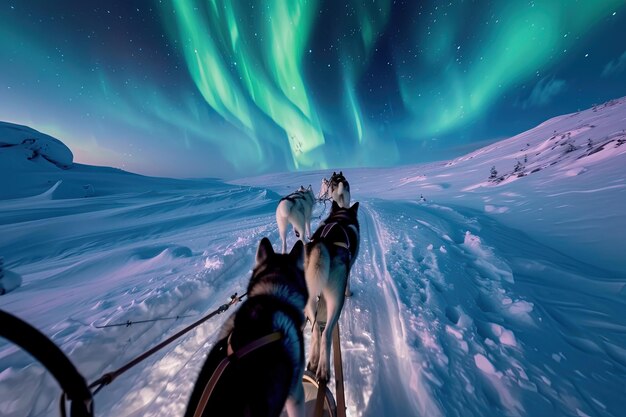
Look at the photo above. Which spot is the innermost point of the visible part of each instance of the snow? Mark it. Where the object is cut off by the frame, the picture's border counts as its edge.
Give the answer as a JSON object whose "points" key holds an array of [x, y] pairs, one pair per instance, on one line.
{"points": [[9, 280], [23, 142], [490, 298]]}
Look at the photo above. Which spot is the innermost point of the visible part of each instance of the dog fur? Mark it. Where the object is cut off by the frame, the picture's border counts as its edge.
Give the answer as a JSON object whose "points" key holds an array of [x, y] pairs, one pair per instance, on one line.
{"points": [[336, 188], [266, 380], [296, 208], [329, 257]]}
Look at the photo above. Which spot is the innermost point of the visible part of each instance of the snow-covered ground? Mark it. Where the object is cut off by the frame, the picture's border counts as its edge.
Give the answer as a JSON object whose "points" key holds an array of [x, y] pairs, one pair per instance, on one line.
{"points": [[501, 297]]}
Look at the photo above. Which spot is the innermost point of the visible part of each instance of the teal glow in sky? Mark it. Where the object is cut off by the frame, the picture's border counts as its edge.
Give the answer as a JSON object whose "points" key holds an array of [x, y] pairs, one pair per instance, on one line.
{"points": [[222, 88]]}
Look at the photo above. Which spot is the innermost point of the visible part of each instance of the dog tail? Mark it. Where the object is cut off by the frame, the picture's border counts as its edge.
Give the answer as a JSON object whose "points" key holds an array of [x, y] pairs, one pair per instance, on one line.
{"points": [[317, 269]]}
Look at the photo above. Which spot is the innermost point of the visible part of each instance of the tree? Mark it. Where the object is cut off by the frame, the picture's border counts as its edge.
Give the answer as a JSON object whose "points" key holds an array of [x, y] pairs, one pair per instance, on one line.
{"points": [[493, 173]]}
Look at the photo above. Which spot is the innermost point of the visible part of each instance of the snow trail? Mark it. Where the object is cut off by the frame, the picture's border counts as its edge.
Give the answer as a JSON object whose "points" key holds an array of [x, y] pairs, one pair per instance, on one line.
{"points": [[375, 354]]}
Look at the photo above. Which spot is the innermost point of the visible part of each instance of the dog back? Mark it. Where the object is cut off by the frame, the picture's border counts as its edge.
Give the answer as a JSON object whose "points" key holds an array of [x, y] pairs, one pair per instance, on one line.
{"points": [[340, 230]]}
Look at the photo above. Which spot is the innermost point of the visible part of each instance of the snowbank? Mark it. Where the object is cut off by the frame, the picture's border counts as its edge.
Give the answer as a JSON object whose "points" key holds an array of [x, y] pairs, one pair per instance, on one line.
{"points": [[9, 280], [31, 144]]}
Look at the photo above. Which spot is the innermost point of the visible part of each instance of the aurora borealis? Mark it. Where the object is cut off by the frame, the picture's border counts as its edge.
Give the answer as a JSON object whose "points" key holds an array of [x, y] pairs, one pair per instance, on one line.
{"points": [[230, 88]]}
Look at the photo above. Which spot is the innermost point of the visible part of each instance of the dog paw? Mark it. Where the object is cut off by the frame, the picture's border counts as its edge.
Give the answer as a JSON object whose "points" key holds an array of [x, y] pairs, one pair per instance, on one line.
{"points": [[322, 374]]}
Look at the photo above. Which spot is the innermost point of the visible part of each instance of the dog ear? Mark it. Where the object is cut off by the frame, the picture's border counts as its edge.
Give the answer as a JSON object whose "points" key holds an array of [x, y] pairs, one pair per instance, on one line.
{"points": [[334, 173], [341, 173], [297, 254], [264, 251], [334, 207], [355, 207]]}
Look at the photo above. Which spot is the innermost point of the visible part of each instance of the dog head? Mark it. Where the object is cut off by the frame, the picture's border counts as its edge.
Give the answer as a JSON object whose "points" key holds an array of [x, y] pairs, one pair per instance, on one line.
{"points": [[280, 269]]}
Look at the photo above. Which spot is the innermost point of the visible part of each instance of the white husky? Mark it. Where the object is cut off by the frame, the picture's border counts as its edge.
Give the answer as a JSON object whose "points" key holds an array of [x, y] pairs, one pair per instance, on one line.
{"points": [[296, 208], [336, 188], [329, 257]]}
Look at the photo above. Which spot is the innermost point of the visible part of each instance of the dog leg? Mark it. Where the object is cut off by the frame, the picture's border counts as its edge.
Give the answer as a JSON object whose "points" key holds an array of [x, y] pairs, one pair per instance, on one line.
{"points": [[314, 354], [282, 231], [316, 273], [295, 402], [323, 368], [348, 291], [334, 296], [308, 228], [301, 234]]}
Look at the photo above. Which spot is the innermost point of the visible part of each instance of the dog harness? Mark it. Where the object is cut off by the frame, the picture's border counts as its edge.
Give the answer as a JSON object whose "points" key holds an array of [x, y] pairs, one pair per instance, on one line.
{"points": [[296, 316], [326, 230], [298, 195], [336, 179], [250, 347]]}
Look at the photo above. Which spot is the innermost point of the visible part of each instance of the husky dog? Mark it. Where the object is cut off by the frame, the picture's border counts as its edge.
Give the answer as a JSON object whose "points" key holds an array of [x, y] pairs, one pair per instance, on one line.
{"points": [[337, 188], [329, 258], [296, 209], [261, 374]]}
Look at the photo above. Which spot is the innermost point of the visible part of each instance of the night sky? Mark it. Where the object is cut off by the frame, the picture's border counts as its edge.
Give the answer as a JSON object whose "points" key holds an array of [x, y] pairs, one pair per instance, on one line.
{"points": [[228, 88]]}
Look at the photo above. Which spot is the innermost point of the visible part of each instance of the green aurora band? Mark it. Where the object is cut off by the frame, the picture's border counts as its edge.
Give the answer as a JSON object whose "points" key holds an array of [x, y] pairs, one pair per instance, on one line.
{"points": [[519, 41], [298, 84], [243, 65], [248, 62]]}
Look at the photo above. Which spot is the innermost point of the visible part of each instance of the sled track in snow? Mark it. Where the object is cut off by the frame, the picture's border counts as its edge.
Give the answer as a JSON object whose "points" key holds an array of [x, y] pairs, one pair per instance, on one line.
{"points": [[377, 361]]}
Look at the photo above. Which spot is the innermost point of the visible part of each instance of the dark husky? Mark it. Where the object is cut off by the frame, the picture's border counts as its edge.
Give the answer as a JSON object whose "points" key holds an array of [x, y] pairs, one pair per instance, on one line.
{"points": [[260, 347], [336, 188], [329, 257]]}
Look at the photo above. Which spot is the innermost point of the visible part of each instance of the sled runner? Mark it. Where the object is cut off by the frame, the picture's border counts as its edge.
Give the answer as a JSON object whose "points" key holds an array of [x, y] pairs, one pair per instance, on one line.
{"points": [[325, 405]]}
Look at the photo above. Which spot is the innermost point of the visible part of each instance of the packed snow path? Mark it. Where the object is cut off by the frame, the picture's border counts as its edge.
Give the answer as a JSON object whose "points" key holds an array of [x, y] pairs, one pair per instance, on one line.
{"points": [[459, 336]]}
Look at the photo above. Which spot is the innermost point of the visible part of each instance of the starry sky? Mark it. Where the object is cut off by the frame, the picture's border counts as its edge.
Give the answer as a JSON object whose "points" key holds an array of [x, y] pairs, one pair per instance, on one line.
{"points": [[221, 88]]}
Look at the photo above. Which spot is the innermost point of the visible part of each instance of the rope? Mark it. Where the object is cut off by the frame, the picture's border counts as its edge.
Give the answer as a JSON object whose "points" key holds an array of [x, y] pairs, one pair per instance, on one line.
{"points": [[129, 323], [322, 200], [109, 377]]}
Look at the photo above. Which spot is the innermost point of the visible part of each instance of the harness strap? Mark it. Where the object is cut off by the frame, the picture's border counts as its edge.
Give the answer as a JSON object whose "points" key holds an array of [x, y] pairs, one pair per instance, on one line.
{"points": [[326, 230], [250, 347], [296, 195]]}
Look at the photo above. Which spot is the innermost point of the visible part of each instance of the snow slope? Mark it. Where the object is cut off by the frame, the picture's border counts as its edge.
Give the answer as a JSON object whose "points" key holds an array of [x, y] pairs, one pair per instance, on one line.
{"points": [[492, 298]]}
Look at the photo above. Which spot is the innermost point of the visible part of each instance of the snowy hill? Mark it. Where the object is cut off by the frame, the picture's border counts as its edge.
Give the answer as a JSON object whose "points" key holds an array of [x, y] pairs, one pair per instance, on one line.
{"points": [[20, 143], [494, 297], [33, 163], [569, 189]]}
